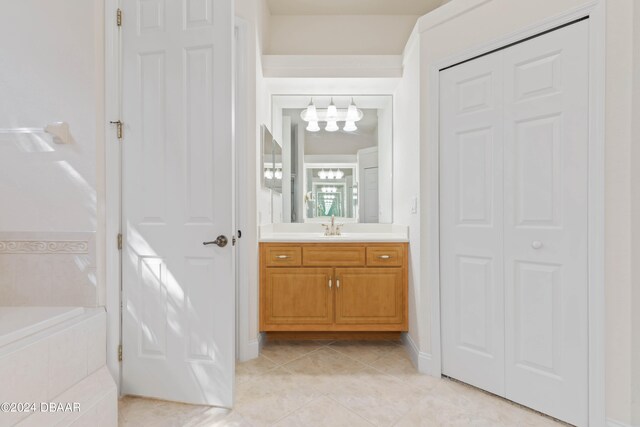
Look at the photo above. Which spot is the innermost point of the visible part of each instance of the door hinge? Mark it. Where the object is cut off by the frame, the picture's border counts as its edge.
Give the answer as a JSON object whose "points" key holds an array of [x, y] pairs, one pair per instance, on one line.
{"points": [[119, 241], [120, 353], [119, 17], [118, 124]]}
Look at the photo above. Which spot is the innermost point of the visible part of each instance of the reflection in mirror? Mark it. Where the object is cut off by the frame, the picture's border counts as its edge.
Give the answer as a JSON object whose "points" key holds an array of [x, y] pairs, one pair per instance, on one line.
{"points": [[277, 167], [271, 161], [336, 157], [266, 155], [331, 191]]}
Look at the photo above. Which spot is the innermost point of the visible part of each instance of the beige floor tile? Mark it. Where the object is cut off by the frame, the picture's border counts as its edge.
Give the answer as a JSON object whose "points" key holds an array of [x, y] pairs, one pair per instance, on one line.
{"points": [[470, 411], [281, 352], [365, 351], [272, 396], [250, 369], [324, 361], [323, 412], [400, 366], [379, 398], [317, 384], [216, 417]]}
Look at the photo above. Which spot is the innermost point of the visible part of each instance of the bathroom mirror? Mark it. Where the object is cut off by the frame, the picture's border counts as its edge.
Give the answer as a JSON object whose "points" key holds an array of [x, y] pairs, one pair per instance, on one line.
{"points": [[271, 155], [336, 157]]}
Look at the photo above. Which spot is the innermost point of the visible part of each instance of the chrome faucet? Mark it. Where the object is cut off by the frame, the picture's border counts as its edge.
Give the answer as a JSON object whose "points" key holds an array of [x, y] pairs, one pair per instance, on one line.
{"points": [[332, 229]]}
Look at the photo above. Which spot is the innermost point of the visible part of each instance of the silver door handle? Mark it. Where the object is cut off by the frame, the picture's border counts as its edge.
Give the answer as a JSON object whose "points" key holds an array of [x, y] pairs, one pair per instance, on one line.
{"points": [[220, 241], [338, 283], [282, 256], [536, 244], [330, 284], [384, 256]]}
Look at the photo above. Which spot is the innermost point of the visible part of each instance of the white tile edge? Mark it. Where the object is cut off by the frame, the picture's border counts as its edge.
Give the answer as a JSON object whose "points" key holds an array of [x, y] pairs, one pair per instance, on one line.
{"points": [[421, 360]]}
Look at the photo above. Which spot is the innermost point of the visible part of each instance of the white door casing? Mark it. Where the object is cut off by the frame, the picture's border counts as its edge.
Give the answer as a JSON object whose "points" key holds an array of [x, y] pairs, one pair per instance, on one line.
{"points": [[540, 136], [178, 295]]}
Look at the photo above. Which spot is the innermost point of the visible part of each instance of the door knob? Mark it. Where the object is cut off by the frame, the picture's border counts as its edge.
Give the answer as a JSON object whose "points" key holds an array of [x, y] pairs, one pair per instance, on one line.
{"points": [[536, 244], [220, 241]]}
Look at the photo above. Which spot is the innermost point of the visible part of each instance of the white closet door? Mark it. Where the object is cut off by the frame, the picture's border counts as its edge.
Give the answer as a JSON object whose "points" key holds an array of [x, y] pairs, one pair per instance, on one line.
{"points": [[546, 158], [178, 295], [514, 191], [471, 203]]}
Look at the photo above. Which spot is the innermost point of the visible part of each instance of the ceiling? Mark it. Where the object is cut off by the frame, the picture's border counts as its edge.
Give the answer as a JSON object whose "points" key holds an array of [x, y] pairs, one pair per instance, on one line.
{"points": [[352, 7]]}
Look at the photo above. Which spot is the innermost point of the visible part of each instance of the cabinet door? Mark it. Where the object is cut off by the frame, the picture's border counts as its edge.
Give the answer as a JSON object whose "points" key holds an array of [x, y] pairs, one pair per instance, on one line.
{"points": [[369, 296], [299, 296]]}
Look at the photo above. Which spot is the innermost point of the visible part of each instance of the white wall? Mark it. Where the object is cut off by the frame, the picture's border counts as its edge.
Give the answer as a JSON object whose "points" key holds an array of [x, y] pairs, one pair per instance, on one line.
{"points": [[339, 35], [444, 33], [635, 217], [51, 69], [406, 171]]}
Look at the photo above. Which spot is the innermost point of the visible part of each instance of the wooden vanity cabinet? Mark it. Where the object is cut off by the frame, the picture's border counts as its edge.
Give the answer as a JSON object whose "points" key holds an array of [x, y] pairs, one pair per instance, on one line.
{"points": [[333, 287]]}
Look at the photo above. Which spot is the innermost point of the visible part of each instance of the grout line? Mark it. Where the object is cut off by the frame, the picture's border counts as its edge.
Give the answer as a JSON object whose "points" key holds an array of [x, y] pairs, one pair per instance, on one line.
{"points": [[297, 409], [292, 360], [349, 409]]}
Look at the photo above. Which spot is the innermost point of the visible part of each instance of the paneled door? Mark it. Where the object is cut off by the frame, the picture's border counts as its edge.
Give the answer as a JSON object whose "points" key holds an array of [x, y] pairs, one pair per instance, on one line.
{"points": [[546, 135], [178, 294], [514, 192], [471, 245]]}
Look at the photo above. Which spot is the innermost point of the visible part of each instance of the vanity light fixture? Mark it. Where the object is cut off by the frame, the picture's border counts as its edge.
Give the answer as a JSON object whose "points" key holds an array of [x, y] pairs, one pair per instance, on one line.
{"points": [[332, 111], [332, 126], [268, 173], [331, 115], [329, 190], [350, 127], [354, 114], [313, 127], [278, 174], [310, 114], [338, 174]]}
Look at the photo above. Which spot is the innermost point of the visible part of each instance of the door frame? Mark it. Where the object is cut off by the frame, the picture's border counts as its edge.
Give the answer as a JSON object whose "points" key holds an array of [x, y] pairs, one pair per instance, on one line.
{"points": [[111, 214], [595, 10]]}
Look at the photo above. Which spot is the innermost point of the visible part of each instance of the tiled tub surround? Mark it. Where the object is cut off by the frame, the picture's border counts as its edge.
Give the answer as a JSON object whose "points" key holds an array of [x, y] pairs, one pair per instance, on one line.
{"points": [[64, 362], [48, 269]]}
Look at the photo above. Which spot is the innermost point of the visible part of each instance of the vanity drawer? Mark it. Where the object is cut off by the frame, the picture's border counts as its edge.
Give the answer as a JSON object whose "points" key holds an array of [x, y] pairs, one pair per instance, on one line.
{"points": [[333, 256], [385, 256], [283, 256]]}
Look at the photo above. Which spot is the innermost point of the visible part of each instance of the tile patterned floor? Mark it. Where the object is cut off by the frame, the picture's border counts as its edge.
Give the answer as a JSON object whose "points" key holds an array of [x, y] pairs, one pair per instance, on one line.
{"points": [[337, 384]]}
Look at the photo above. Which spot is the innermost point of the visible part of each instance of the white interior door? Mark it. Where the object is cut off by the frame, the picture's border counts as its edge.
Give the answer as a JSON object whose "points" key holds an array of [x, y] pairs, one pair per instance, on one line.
{"points": [[178, 294], [371, 210], [471, 200], [546, 136], [514, 191]]}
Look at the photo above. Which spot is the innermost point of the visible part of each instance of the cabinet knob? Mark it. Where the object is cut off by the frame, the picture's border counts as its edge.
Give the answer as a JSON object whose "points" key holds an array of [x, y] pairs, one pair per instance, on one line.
{"points": [[536, 244]]}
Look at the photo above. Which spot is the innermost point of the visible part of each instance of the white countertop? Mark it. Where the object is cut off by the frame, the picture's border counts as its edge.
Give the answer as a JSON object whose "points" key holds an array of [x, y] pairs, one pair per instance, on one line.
{"points": [[313, 232]]}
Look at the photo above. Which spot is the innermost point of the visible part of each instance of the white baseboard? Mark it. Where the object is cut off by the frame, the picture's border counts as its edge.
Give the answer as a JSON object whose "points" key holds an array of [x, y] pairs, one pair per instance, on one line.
{"points": [[421, 360], [615, 423], [250, 350]]}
